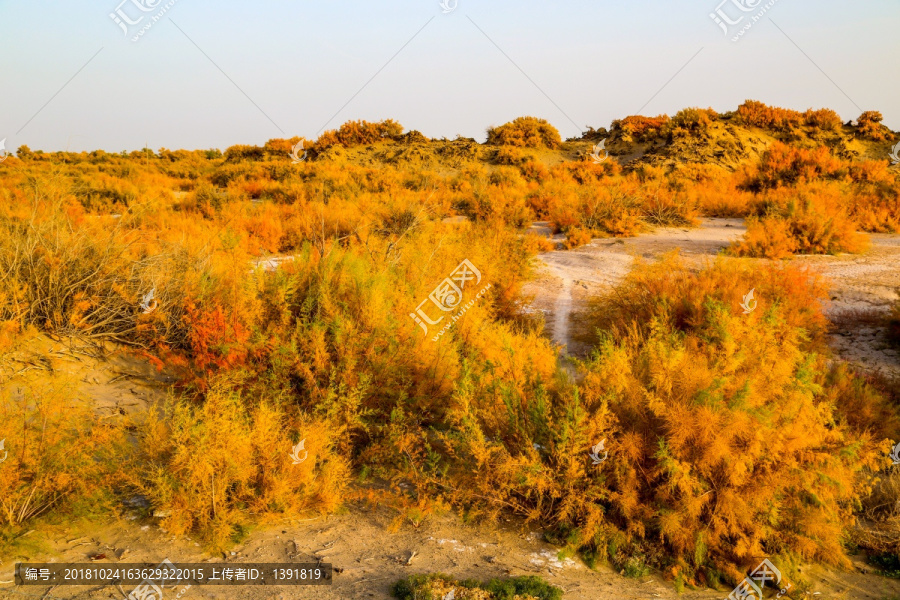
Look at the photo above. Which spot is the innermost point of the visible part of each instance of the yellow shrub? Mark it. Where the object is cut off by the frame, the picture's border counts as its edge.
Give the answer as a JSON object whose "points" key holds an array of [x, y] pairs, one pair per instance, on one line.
{"points": [[576, 237], [58, 455], [525, 132], [210, 469]]}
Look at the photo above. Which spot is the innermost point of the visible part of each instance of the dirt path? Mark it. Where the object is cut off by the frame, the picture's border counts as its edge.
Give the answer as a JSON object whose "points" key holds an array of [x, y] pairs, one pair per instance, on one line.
{"points": [[862, 286]]}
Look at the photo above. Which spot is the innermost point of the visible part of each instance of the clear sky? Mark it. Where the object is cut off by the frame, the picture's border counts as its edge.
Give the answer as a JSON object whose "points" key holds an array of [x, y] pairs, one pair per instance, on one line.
{"points": [[214, 74]]}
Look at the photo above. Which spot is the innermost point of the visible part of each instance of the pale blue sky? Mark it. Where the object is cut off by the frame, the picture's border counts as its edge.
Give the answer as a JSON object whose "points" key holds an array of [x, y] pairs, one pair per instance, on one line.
{"points": [[301, 61]]}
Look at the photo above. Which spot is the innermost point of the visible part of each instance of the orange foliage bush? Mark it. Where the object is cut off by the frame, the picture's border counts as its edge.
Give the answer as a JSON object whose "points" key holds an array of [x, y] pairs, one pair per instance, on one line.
{"points": [[680, 353], [824, 119], [870, 127], [358, 133], [525, 132], [782, 164], [640, 128], [56, 454], [807, 225], [691, 121], [576, 237], [758, 114]]}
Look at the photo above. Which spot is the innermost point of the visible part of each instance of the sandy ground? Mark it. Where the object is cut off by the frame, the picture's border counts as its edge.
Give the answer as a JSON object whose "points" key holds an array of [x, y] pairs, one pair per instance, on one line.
{"points": [[369, 558], [118, 382]]}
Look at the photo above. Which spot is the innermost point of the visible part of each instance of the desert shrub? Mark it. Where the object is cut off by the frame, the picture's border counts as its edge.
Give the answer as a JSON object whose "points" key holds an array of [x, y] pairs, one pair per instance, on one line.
{"points": [[665, 207], [58, 455], [783, 165], [533, 170], [525, 132], [242, 152], [89, 281], [639, 128], [101, 192], [510, 155], [870, 127], [694, 399], [282, 148], [357, 133], [861, 404], [879, 527], [824, 119], [815, 221], [613, 211], [208, 468], [757, 114], [227, 173], [71, 281], [690, 122], [682, 353], [767, 237], [536, 244], [576, 237], [799, 294]]}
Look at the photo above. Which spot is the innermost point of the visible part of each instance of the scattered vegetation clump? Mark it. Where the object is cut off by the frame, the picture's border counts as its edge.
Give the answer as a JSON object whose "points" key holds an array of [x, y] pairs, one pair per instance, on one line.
{"points": [[57, 455], [358, 133], [807, 224], [639, 128], [525, 132], [691, 122], [870, 127], [824, 119], [206, 469], [675, 348], [758, 114], [783, 165], [801, 203]]}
